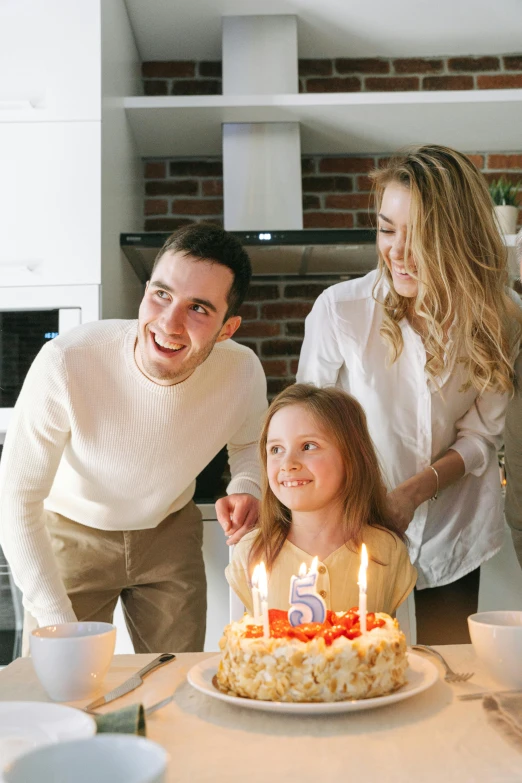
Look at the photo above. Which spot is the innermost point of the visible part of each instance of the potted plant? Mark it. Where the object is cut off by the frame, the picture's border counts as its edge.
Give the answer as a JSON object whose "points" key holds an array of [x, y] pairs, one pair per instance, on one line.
{"points": [[504, 195]]}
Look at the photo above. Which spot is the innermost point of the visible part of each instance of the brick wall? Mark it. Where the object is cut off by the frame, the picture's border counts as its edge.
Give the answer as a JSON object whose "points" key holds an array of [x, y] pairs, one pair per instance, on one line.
{"points": [[336, 189], [273, 324], [374, 74]]}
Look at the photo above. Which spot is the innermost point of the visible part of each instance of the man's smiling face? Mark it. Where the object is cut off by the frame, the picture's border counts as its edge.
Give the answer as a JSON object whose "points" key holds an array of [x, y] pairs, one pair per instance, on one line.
{"points": [[182, 316]]}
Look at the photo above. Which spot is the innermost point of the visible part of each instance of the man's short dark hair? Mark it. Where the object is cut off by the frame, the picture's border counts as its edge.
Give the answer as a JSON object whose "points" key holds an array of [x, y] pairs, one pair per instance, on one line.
{"points": [[211, 243]]}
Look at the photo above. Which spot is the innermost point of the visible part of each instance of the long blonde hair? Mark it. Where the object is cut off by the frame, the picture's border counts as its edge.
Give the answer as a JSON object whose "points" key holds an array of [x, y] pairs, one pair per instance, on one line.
{"points": [[461, 267], [363, 495]]}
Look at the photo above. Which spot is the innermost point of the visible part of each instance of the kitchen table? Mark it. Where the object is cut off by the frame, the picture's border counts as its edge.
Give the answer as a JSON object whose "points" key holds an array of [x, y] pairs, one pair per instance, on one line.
{"points": [[428, 738]]}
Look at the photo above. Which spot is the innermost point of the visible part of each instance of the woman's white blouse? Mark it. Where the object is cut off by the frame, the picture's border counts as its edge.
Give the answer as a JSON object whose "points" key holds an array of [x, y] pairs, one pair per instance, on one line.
{"points": [[413, 423]]}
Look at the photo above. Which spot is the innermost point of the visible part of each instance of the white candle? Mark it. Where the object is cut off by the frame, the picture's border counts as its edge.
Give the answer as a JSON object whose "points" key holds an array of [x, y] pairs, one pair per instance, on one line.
{"points": [[362, 588], [263, 595], [255, 595]]}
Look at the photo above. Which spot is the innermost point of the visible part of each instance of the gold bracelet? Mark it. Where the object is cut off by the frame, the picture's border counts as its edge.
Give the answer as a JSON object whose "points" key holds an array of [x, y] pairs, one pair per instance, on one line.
{"points": [[435, 496]]}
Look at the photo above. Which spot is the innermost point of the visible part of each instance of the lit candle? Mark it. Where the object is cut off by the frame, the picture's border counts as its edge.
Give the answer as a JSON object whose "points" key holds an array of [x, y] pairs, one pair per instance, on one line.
{"points": [[362, 588], [263, 595], [255, 595], [306, 606]]}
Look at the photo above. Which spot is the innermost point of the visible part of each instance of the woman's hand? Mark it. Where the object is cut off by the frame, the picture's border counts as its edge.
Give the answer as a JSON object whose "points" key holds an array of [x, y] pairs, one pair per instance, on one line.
{"points": [[408, 496], [401, 507]]}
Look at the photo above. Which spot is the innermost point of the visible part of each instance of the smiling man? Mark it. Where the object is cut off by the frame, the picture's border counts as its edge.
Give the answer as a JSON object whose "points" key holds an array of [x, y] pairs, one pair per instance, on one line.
{"points": [[113, 424]]}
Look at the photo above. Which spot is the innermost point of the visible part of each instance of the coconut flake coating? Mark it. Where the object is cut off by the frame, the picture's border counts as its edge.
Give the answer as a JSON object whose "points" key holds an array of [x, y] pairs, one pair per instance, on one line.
{"points": [[279, 669]]}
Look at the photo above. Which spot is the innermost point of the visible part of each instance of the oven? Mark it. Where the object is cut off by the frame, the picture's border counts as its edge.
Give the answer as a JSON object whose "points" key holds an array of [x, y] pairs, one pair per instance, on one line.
{"points": [[30, 317]]}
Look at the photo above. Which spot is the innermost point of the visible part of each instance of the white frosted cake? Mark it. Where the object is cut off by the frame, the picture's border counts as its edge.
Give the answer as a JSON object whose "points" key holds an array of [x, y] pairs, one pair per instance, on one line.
{"points": [[330, 661]]}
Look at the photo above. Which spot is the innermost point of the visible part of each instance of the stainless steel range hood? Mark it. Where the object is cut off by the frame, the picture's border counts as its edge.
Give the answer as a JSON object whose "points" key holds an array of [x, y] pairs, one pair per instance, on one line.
{"points": [[262, 169], [304, 253]]}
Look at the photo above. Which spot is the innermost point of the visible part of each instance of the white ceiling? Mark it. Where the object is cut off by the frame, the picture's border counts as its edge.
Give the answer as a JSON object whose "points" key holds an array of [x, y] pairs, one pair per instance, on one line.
{"points": [[191, 29]]}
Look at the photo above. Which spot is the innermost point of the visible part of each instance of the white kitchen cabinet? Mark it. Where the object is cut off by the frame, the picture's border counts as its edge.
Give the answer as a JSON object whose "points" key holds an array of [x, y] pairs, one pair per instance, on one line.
{"points": [[70, 174], [501, 579], [50, 60], [50, 202], [216, 555]]}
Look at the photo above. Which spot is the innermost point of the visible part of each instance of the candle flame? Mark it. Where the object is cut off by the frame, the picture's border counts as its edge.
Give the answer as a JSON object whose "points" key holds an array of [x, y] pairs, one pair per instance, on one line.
{"points": [[313, 567], [302, 569], [262, 581], [362, 570], [255, 576]]}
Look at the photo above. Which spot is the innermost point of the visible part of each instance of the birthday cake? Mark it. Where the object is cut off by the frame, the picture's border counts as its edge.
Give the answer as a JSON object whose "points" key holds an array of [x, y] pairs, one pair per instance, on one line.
{"points": [[312, 662]]}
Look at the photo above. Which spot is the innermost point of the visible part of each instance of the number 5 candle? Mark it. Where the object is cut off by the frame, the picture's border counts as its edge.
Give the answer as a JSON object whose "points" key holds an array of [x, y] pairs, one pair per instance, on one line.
{"points": [[306, 606]]}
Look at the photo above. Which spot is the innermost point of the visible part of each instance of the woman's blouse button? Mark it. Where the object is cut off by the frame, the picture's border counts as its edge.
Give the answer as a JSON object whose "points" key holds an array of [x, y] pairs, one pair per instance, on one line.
{"points": [[322, 569], [322, 593]]}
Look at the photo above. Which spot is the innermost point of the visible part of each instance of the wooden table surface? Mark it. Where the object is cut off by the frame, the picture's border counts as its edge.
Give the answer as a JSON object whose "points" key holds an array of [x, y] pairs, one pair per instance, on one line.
{"points": [[428, 738]]}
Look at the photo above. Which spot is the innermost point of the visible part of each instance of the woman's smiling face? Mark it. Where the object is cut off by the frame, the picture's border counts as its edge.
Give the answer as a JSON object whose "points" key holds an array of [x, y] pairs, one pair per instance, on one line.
{"points": [[393, 223]]}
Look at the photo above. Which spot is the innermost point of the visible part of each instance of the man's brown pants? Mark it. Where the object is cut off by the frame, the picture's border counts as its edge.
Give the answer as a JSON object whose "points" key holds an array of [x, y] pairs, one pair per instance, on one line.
{"points": [[158, 573]]}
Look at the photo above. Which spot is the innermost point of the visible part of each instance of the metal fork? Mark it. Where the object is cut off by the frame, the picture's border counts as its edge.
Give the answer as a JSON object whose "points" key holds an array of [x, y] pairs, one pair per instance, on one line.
{"points": [[450, 675], [160, 704], [147, 710]]}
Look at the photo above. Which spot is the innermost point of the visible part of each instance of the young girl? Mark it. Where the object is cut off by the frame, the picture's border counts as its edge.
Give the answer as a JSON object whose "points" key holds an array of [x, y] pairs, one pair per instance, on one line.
{"points": [[323, 495]]}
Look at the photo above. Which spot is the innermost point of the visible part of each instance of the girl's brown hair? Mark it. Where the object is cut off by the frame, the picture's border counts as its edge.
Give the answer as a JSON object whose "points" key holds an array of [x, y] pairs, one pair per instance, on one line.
{"points": [[461, 267], [363, 495]]}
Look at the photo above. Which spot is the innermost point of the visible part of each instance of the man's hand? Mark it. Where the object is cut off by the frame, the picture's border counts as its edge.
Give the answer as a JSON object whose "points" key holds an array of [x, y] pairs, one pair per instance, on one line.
{"points": [[401, 507], [237, 515]]}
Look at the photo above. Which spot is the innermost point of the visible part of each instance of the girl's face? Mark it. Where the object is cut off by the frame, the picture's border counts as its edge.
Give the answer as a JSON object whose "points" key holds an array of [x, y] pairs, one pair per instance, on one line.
{"points": [[393, 223], [305, 468]]}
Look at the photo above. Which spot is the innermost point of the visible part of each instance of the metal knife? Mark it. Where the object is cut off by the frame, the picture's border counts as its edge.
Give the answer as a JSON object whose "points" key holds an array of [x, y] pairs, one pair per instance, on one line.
{"points": [[133, 682]]}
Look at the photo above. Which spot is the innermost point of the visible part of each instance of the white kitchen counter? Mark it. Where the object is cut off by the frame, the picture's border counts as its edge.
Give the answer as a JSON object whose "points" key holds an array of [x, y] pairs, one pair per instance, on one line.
{"points": [[429, 738]]}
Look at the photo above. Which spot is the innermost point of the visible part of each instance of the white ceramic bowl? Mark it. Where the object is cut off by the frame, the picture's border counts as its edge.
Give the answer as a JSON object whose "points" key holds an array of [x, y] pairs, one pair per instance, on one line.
{"points": [[71, 660], [106, 758], [497, 640]]}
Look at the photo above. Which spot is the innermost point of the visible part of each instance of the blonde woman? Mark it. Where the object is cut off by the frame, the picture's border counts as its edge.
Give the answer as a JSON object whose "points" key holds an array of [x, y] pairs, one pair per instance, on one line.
{"points": [[426, 344]]}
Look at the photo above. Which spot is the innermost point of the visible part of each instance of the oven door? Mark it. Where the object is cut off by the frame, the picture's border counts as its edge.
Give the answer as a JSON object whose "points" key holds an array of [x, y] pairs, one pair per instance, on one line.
{"points": [[30, 317], [22, 335]]}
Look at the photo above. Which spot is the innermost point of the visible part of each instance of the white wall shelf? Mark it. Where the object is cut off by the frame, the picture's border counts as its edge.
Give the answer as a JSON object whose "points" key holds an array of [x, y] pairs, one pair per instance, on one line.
{"points": [[333, 123]]}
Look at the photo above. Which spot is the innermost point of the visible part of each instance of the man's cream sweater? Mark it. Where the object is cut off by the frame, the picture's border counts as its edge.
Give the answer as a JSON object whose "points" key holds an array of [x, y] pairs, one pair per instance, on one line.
{"points": [[95, 440]]}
